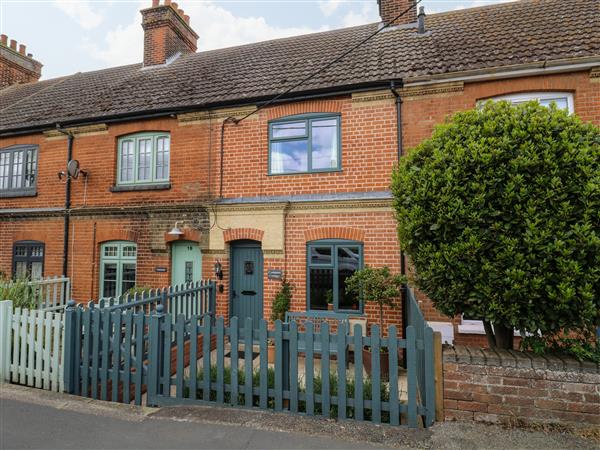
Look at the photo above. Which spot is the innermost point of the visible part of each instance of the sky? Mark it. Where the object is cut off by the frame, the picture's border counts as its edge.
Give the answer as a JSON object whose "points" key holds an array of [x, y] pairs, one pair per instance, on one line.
{"points": [[70, 36]]}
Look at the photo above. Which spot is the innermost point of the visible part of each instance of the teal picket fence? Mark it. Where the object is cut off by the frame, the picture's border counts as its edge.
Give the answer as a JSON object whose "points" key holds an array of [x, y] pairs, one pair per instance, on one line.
{"points": [[145, 355], [107, 343]]}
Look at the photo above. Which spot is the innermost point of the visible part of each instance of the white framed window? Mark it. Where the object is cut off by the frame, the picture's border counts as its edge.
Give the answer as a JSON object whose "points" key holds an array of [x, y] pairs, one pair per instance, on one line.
{"points": [[563, 100]]}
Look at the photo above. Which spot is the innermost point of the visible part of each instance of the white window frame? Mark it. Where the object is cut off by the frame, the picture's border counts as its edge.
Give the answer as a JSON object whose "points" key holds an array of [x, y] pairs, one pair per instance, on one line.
{"points": [[528, 96]]}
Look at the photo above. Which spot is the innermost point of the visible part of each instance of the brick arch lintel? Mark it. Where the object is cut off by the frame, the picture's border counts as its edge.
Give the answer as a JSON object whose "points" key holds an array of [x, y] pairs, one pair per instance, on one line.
{"points": [[313, 106], [234, 234], [351, 234], [119, 234]]}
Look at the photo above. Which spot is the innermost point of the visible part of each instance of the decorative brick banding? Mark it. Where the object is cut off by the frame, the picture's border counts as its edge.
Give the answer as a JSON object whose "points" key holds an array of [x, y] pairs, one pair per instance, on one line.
{"points": [[352, 234], [235, 234], [504, 386]]}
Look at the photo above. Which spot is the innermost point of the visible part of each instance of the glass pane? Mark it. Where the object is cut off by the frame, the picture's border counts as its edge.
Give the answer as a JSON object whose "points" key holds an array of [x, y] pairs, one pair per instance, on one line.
{"points": [[17, 174], [36, 270], [4, 169], [561, 103], [162, 158], [320, 255], [111, 250], [128, 277], [348, 263], [37, 251], [20, 269], [289, 156], [325, 144], [109, 288], [21, 250], [30, 168], [129, 251], [321, 288], [127, 155], [189, 271], [288, 129], [145, 159]]}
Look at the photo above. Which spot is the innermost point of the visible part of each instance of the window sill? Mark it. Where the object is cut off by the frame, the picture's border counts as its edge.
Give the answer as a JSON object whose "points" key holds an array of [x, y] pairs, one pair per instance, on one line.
{"points": [[18, 193], [311, 172], [328, 313], [141, 187]]}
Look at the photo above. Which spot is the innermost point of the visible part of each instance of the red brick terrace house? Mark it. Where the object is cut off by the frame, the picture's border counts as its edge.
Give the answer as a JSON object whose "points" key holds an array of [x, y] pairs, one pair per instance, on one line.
{"points": [[298, 189]]}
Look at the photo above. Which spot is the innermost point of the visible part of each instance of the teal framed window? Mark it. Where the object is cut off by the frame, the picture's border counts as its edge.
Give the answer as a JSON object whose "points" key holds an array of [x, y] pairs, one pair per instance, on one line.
{"points": [[118, 264], [18, 170], [304, 144], [143, 158], [329, 264]]}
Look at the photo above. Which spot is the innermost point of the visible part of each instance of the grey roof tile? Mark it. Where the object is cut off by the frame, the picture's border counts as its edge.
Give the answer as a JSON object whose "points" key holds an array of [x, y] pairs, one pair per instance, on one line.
{"points": [[523, 32]]}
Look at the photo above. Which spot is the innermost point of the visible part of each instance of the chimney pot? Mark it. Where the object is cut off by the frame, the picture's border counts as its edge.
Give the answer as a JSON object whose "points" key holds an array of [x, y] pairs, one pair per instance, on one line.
{"points": [[167, 2], [13, 44], [180, 12], [22, 49], [186, 18], [3, 39], [155, 3], [174, 5]]}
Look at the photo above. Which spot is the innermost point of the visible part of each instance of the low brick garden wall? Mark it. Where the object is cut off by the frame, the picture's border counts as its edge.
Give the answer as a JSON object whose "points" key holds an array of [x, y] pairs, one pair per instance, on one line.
{"points": [[501, 386]]}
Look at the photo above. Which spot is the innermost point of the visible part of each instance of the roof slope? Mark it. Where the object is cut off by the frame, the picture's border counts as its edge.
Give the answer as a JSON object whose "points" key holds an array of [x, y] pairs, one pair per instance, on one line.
{"points": [[478, 38]]}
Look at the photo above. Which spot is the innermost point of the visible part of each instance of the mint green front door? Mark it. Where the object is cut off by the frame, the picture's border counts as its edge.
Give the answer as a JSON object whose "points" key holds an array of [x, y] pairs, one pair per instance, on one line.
{"points": [[186, 262]]}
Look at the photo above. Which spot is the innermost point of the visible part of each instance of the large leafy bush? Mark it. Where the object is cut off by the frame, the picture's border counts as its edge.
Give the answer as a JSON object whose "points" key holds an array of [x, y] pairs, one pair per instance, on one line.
{"points": [[500, 213]]}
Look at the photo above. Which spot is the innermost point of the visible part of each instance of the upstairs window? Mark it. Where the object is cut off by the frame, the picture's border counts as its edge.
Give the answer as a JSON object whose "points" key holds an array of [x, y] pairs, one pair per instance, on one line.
{"points": [[143, 159], [18, 170], [563, 100], [303, 144], [28, 260], [330, 263]]}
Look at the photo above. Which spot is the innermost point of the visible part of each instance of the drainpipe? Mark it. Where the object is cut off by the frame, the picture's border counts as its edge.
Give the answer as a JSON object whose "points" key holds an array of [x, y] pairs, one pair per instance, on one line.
{"points": [[65, 261], [402, 256]]}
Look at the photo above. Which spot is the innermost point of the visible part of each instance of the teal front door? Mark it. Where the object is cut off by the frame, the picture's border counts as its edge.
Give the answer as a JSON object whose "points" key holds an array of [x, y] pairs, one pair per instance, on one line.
{"points": [[186, 262], [246, 282]]}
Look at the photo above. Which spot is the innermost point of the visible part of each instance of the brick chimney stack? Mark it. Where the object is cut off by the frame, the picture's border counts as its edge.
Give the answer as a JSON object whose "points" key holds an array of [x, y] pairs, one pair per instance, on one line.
{"points": [[389, 9], [16, 65], [167, 32]]}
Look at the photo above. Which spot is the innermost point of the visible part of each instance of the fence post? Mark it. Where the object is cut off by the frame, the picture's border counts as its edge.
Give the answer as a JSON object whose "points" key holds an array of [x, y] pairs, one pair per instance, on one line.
{"points": [[5, 339], [155, 350], [439, 376], [69, 347]]}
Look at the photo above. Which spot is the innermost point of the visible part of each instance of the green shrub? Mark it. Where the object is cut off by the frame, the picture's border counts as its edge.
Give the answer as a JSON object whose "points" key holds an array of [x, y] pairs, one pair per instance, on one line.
{"points": [[281, 303], [500, 213], [19, 291]]}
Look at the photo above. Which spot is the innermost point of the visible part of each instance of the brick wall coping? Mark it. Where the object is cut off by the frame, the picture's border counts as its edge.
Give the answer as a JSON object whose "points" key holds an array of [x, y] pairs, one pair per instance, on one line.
{"points": [[511, 358]]}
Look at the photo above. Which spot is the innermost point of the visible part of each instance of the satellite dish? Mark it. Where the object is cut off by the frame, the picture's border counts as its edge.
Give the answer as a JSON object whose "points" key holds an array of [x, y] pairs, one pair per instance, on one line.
{"points": [[73, 168]]}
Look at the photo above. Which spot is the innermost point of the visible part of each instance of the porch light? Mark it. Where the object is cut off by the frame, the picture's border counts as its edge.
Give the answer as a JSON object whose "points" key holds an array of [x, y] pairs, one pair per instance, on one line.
{"points": [[176, 231]]}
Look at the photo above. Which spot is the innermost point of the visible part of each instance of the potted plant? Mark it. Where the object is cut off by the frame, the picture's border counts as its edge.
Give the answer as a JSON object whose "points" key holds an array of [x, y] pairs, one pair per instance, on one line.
{"points": [[281, 305], [329, 299], [381, 286]]}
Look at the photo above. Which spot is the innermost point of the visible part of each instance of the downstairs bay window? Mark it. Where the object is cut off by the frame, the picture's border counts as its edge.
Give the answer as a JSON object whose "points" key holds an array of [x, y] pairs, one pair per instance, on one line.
{"points": [[329, 264]]}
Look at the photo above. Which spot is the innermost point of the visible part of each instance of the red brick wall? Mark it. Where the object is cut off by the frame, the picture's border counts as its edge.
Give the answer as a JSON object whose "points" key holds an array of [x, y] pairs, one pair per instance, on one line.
{"points": [[519, 387]]}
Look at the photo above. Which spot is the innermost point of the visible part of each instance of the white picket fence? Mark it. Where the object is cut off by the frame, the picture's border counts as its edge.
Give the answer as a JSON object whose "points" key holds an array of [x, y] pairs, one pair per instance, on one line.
{"points": [[31, 347]]}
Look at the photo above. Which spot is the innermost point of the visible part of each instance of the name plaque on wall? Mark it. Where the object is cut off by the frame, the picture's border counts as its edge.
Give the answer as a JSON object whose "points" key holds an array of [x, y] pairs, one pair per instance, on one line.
{"points": [[275, 274], [160, 269]]}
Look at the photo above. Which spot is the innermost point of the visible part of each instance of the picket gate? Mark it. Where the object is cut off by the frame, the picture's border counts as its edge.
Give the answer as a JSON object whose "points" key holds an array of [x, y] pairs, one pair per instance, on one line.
{"points": [[31, 347]]}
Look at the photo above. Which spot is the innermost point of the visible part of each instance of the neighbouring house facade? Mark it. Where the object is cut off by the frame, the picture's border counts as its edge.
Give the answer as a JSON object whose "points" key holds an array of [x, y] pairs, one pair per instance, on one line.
{"points": [[183, 172]]}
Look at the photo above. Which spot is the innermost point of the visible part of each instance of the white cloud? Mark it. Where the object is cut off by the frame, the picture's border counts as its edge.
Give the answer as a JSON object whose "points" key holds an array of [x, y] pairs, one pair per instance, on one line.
{"points": [[81, 12], [216, 27], [367, 14], [328, 7]]}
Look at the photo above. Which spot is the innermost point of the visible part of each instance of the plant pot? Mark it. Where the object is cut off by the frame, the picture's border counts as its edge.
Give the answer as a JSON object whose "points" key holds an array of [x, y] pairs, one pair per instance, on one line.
{"points": [[271, 353], [384, 363], [329, 306]]}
